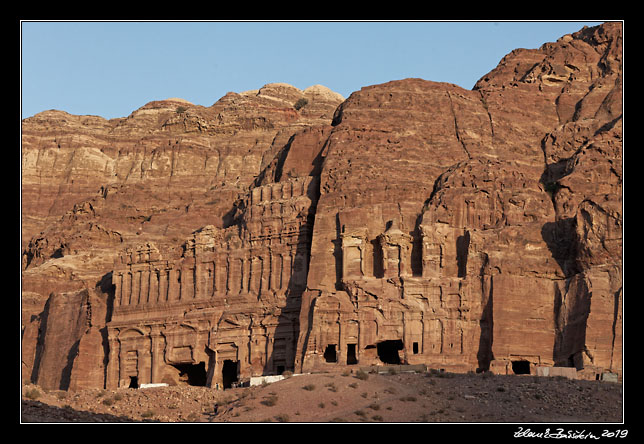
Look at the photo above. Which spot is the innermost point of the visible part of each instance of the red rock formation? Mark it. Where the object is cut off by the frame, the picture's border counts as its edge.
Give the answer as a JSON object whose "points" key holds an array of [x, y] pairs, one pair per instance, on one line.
{"points": [[491, 241], [156, 176], [419, 223]]}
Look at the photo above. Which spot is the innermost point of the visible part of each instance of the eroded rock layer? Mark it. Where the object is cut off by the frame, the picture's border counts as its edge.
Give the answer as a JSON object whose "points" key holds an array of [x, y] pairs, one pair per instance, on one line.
{"points": [[414, 222]]}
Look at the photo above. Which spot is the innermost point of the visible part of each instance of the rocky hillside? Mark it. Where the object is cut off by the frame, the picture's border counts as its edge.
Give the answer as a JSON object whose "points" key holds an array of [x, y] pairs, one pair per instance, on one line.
{"points": [[503, 203], [93, 187], [344, 397]]}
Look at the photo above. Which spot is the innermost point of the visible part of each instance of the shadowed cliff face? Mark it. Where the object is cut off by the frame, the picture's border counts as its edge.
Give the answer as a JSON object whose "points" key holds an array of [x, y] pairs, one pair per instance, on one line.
{"points": [[472, 228]]}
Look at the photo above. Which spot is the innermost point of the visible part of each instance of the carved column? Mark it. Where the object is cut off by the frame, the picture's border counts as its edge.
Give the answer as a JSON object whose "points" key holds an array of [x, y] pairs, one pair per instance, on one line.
{"points": [[144, 286], [113, 364], [154, 287], [286, 270], [136, 287], [255, 277], [117, 280], [156, 352], [163, 285], [127, 288], [276, 271], [232, 275], [209, 278], [187, 288], [266, 273], [198, 279], [173, 284]]}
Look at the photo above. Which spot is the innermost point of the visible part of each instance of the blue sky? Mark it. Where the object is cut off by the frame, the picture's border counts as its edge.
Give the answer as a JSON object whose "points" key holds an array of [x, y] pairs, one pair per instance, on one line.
{"points": [[112, 68]]}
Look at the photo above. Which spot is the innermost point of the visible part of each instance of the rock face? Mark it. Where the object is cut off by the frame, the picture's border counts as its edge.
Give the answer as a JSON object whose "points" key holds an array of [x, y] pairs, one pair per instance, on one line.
{"points": [[414, 222], [93, 188]]}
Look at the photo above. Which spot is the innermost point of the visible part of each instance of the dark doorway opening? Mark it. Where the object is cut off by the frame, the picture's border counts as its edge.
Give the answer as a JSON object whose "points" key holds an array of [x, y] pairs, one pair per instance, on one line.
{"points": [[192, 374], [134, 382], [462, 248], [229, 373], [388, 351], [330, 354], [378, 270], [415, 347], [521, 367], [351, 354]]}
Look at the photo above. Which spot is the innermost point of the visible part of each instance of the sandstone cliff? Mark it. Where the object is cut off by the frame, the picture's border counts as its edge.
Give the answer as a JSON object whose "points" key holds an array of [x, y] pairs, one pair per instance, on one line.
{"points": [[92, 188], [414, 222]]}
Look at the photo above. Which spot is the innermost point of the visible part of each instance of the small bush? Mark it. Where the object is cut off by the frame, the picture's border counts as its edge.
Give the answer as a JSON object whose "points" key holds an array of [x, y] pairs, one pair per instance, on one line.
{"points": [[149, 414], [309, 387], [283, 417], [32, 393], [552, 187], [270, 401], [181, 109], [301, 103], [362, 375]]}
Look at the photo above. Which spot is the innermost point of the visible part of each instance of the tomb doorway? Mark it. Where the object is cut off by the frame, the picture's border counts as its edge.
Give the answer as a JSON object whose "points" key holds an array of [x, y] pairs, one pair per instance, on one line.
{"points": [[192, 374], [521, 367], [229, 373], [388, 351], [330, 354], [351, 354]]}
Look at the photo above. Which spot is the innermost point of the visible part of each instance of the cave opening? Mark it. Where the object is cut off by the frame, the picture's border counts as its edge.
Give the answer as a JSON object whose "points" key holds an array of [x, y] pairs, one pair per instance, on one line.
{"points": [[229, 374], [134, 382], [521, 367], [351, 354], [192, 374], [388, 351], [330, 354]]}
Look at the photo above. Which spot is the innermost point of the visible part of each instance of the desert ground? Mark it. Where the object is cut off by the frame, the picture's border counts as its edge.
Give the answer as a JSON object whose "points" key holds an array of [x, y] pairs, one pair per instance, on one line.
{"points": [[350, 396]]}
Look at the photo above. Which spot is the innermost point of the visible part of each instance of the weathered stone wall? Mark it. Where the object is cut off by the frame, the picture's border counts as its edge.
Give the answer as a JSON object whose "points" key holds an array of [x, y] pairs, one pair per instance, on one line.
{"points": [[233, 295]]}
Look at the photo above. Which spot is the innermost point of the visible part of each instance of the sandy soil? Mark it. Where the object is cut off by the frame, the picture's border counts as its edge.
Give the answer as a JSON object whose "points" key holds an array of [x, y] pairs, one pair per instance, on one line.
{"points": [[343, 397]]}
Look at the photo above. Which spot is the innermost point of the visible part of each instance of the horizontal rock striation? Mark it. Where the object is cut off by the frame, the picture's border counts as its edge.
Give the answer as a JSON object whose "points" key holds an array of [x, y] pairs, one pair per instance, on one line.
{"points": [[414, 222]]}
